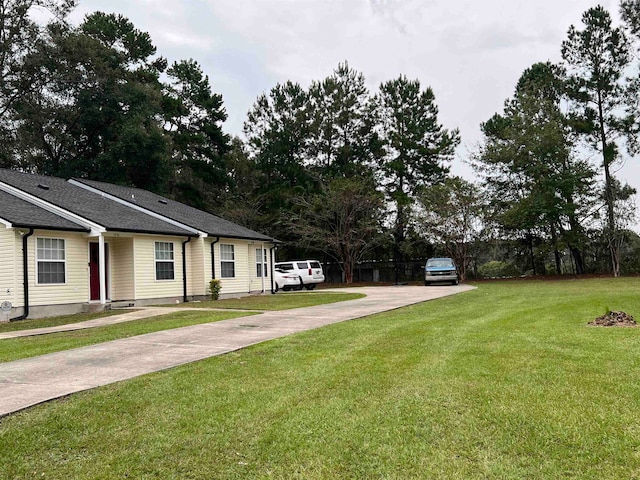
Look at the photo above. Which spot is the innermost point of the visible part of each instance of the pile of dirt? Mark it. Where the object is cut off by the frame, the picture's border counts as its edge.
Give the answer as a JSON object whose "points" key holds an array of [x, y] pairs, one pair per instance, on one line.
{"points": [[614, 319]]}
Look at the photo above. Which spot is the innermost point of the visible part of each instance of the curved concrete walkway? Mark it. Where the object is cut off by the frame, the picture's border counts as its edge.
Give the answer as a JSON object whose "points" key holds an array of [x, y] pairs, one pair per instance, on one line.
{"points": [[30, 381]]}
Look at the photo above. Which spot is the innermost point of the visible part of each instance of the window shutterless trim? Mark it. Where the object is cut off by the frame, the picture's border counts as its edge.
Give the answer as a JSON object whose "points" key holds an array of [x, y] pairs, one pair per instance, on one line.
{"points": [[261, 263], [166, 262], [50, 261], [225, 261]]}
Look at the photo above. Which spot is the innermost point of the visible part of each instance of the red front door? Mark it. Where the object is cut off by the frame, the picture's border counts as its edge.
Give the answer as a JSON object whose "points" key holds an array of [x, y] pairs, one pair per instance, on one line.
{"points": [[94, 270]]}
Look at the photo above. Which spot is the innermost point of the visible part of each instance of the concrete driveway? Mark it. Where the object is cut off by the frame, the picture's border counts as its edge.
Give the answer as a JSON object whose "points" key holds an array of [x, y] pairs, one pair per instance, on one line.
{"points": [[30, 381]]}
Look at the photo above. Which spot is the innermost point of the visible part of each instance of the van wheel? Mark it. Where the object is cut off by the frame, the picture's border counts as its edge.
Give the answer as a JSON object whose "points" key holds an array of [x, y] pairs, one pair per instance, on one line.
{"points": [[311, 286]]}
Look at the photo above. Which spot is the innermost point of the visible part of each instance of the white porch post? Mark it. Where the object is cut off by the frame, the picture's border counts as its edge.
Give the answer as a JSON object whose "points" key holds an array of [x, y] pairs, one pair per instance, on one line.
{"points": [[103, 270]]}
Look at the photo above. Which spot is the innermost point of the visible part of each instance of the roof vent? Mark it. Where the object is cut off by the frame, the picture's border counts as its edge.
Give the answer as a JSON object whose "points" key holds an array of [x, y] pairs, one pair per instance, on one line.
{"points": [[43, 186], [164, 202]]}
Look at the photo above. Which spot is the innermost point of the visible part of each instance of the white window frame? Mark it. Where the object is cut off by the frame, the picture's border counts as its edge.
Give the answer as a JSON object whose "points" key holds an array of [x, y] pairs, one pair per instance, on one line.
{"points": [[40, 261], [172, 260], [226, 259], [261, 266]]}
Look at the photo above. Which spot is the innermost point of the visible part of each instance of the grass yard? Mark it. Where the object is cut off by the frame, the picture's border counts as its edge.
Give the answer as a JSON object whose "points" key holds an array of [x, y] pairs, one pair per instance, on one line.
{"points": [[54, 321], [280, 301], [504, 382], [23, 347]]}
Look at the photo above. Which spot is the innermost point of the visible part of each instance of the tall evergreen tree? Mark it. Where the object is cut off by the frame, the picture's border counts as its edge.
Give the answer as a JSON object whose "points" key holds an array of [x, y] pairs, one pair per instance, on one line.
{"points": [[534, 181], [20, 38], [99, 109], [97, 115], [597, 58], [277, 132], [342, 140], [417, 148], [194, 116]]}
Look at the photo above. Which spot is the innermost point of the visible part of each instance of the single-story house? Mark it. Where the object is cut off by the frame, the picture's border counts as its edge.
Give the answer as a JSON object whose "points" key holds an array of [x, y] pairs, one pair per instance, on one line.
{"points": [[75, 245]]}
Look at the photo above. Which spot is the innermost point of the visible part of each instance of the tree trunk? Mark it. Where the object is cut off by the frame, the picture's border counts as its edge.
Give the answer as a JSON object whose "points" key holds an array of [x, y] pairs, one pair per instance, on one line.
{"points": [[556, 253], [578, 259], [348, 272], [533, 258], [607, 154]]}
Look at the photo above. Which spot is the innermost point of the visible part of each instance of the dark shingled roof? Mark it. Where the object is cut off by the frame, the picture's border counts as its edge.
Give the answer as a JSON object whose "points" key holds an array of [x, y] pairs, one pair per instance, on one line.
{"points": [[24, 214], [101, 210], [202, 221]]}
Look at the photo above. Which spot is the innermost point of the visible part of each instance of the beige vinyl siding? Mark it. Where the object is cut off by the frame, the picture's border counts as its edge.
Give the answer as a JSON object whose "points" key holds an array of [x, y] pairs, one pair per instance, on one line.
{"points": [[146, 285], [206, 263], [245, 279], [76, 286], [18, 276], [198, 283], [10, 256], [256, 282], [239, 283], [121, 268]]}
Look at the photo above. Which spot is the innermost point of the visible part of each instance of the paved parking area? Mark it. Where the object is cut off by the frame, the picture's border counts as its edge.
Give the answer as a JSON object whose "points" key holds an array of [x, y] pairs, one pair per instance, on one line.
{"points": [[30, 381]]}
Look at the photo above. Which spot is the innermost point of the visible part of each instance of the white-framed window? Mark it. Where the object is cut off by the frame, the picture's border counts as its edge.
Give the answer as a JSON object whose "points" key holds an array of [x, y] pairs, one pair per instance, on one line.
{"points": [[227, 261], [51, 264], [165, 263], [261, 263]]}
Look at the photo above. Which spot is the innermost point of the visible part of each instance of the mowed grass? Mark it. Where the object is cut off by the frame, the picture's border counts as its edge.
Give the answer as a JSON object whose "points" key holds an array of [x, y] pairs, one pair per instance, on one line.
{"points": [[30, 324], [23, 347], [504, 382], [280, 301]]}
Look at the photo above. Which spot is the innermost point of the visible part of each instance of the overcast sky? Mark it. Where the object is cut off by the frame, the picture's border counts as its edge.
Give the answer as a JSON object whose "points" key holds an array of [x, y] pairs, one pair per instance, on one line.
{"points": [[471, 52]]}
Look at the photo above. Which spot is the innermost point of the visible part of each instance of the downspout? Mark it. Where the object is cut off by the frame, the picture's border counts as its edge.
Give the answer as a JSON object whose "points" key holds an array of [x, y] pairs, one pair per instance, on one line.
{"points": [[184, 270], [213, 259], [25, 275], [271, 266]]}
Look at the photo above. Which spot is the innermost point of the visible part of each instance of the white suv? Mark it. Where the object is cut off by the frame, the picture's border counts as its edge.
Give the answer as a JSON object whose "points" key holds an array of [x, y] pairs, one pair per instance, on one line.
{"points": [[310, 271], [286, 281]]}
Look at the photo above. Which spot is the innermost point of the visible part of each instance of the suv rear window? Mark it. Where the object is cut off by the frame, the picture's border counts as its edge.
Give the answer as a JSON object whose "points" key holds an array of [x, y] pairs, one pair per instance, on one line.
{"points": [[315, 265]]}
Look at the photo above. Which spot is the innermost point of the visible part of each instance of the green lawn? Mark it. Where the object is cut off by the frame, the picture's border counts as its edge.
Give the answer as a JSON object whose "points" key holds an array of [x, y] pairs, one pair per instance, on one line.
{"points": [[504, 382], [55, 321], [23, 347], [281, 301]]}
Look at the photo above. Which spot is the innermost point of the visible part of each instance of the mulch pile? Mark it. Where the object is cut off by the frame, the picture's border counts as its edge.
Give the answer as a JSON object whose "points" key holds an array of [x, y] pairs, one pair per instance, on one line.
{"points": [[614, 319]]}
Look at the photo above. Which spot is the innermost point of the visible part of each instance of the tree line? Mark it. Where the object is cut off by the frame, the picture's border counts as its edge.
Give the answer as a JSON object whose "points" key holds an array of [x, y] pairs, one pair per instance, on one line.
{"points": [[335, 169]]}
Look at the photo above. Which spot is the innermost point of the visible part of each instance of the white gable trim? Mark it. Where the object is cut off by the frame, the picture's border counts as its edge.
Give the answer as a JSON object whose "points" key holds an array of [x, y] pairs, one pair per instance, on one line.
{"points": [[96, 229], [138, 208]]}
